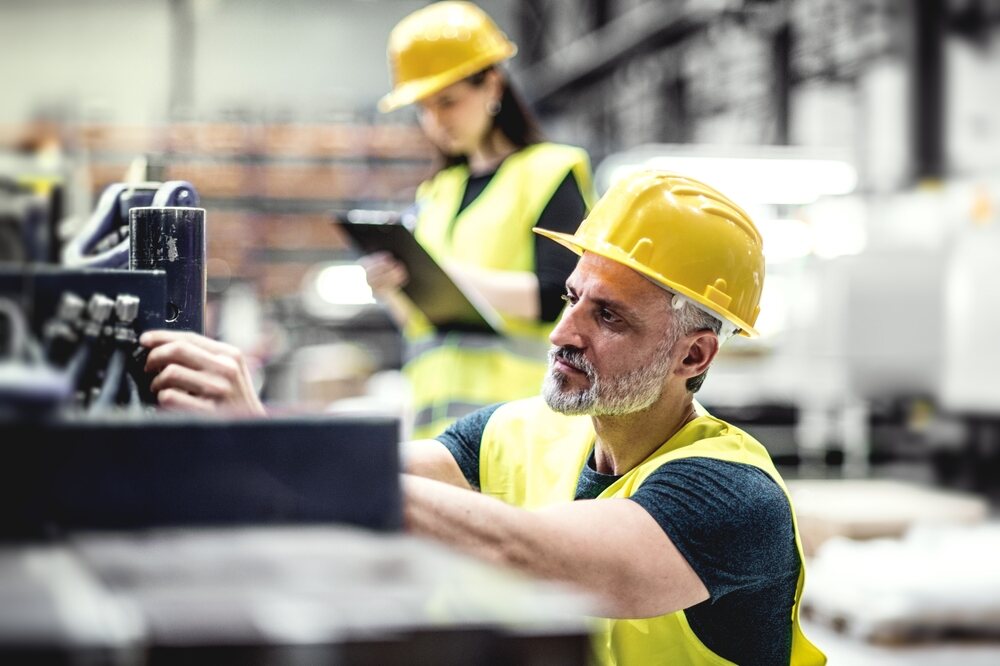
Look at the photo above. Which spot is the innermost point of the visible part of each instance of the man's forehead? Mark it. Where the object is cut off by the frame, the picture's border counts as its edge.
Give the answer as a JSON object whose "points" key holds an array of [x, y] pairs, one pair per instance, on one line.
{"points": [[610, 280]]}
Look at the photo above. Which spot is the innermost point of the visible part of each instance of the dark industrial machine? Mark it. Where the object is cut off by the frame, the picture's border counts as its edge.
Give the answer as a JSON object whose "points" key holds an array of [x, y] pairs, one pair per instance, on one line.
{"points": [[69, 334], [104, 240]]}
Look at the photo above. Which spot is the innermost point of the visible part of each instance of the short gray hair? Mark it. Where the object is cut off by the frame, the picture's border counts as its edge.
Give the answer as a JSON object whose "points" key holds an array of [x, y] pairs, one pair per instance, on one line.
{"points": [[688, 318]]}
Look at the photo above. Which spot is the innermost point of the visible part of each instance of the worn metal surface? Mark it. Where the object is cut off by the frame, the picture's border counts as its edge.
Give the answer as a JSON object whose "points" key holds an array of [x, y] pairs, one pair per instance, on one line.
{"points": [[173, 240]]}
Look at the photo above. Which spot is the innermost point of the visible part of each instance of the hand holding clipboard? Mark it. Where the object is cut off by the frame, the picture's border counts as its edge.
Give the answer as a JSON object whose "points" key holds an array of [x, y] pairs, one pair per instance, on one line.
{"points": [[445, 304]]}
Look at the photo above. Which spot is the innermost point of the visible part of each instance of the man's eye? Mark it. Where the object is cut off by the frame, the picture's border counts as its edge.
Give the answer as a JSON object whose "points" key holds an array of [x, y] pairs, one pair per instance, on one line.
{"points": [[608, 316], [568, 298]]}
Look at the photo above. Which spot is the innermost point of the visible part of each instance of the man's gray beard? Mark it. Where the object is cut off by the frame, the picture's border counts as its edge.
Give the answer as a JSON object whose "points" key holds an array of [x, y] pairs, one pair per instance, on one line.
{"points": [[615, 396]]}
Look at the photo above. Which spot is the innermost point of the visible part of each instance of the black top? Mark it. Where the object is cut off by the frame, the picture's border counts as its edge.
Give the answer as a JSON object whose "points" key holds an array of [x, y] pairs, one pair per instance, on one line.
{"points": [[553, 262], [730, 521]]}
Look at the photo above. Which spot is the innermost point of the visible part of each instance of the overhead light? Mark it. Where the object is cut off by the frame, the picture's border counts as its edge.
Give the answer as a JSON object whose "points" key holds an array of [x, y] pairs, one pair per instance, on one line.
{"points": [[336, 291], [776, 175], [343, 284]]}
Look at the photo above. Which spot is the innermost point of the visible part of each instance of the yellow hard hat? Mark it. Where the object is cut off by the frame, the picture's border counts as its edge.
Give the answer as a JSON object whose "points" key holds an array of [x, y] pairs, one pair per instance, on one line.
{"points": [[439, 45], [683, 235]]}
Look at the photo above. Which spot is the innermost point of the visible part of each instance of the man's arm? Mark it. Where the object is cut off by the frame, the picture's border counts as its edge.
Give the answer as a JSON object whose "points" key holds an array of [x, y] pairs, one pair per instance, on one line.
{"points": [[454, 456], [612, 548], [431, 459]]}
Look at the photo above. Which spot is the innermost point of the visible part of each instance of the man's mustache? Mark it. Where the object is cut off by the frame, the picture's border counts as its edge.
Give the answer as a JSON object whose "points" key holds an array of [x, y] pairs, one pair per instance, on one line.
{"points": [[573, 357]]}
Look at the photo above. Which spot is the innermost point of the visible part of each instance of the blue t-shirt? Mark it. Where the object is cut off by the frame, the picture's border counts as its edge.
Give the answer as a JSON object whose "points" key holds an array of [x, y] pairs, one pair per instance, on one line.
{"points": [[730, 521]]}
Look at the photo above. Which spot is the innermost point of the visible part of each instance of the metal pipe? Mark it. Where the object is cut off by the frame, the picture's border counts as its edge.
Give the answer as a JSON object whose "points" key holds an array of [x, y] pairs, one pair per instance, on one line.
{"points": [[172, 239]]}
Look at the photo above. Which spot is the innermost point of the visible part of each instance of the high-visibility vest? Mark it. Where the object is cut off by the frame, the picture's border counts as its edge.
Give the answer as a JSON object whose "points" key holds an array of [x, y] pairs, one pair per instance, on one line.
{"points": [[532, 457], [453, 373]]}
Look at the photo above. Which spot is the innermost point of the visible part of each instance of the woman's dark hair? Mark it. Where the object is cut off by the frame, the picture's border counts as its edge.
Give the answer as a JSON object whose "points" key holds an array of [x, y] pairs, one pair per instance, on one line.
{"points": [[514, 118]]}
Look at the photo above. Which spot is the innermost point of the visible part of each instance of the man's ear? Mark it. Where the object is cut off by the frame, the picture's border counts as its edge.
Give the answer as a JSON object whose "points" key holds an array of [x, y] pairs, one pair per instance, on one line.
{"points": [[698, 350]]}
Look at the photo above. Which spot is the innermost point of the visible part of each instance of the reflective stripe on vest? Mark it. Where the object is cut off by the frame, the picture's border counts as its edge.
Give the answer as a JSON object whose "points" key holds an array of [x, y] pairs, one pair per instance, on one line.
{"points": [[532, 457]]}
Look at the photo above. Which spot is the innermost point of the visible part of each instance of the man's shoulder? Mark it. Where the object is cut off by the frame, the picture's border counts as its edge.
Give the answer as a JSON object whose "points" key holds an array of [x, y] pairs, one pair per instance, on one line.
{"points": [[708, 426], [712, 437], [745, 481]]}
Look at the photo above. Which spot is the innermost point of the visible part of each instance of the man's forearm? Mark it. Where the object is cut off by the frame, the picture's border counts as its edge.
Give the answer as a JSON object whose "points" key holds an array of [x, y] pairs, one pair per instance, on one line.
{"points": [[612, 548], [540, 543], [471, 522]]}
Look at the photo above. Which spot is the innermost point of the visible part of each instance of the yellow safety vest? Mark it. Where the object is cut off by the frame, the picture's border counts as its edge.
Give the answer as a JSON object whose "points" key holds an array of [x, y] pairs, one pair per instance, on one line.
{"points": [[453, 373], [532, 457]]}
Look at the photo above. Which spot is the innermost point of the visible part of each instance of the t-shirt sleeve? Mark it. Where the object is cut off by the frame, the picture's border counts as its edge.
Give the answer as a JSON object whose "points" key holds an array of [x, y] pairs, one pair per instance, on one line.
{"points": [[730, 521], [463, 437], [553, 262]]}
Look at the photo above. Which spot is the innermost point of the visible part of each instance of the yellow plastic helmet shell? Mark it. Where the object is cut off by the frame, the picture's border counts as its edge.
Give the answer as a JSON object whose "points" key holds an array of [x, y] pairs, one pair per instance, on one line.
{"points": [[439, 45], [683, 235]]}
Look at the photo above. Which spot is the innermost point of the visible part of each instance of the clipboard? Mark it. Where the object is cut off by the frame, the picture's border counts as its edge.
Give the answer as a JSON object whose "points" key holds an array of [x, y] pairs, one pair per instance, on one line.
{"points": [[445, 304]]}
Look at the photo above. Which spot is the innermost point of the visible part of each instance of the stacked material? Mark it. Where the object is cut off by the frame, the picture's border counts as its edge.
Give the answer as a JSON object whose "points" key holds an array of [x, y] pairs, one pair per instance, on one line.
{"points": [[935, 581], [868, 509]]}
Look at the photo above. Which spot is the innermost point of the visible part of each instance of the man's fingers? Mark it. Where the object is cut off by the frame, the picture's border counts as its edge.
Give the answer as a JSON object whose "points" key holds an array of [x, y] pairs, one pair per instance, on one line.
{"points": [[192, 382], [158, 338], [181, 352], [174, 399], [195, 372]]}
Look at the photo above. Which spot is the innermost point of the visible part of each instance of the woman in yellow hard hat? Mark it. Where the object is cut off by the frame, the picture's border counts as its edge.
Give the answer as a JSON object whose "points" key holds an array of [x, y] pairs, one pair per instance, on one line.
{"points": [[498, 179]]}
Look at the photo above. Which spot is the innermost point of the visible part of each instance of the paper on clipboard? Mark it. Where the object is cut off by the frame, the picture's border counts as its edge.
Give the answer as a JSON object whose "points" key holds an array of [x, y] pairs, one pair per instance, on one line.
{"points": [[445, 304]]}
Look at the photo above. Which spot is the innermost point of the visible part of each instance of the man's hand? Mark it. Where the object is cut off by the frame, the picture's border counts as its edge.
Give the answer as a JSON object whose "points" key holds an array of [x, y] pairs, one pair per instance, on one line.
{"points": [[195, 373]]}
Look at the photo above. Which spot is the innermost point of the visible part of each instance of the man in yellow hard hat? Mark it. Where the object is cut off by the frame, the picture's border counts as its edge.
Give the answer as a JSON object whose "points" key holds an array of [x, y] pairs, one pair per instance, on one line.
{"points": [[615, 479]]}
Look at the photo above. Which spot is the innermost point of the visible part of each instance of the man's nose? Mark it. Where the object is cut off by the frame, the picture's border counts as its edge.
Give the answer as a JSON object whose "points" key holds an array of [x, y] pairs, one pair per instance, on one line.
{"points": [[567, 331]]}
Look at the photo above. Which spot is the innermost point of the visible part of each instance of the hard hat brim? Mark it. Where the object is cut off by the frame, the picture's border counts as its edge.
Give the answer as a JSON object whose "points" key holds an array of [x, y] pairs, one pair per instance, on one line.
{"points": [[580, 245], [418, 89]]}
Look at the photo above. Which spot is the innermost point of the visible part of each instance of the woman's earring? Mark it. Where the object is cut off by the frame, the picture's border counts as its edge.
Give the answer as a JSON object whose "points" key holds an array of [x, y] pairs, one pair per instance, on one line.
{"points": [[493, 108]]}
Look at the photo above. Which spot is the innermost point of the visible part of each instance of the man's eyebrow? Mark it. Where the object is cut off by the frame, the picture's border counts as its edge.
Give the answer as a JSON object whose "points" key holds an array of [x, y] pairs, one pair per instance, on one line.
{"points": [[621, 307]]}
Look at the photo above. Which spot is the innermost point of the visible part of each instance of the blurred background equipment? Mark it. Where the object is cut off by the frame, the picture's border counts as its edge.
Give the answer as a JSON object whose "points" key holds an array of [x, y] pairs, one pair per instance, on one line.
{"points": [[25, 222], [277, 595], [880, 591]]}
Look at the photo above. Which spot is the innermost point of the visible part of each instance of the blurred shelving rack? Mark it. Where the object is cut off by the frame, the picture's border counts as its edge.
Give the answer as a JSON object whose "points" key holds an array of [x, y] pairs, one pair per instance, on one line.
{"points": [[268, 186]]}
